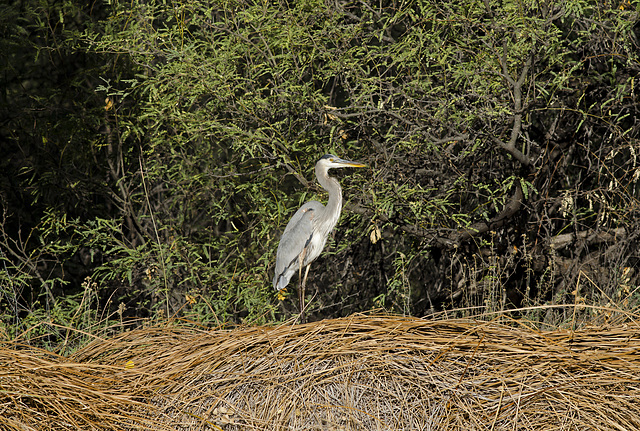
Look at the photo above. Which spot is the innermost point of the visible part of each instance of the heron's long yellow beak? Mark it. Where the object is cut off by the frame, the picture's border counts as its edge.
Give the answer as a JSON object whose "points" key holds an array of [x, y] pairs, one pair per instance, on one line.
{"points": [[349, 163]]}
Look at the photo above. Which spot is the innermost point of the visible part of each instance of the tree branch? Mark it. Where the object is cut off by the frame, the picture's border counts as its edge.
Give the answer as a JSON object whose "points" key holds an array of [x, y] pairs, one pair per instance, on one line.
{"points": [[497, 222], [590, 236], [453, 240], [510, 146]]}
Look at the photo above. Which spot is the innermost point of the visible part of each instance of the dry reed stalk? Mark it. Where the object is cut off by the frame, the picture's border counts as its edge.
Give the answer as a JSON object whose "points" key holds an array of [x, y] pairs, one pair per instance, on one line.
{"points": [[40, 390], [357, 373]]}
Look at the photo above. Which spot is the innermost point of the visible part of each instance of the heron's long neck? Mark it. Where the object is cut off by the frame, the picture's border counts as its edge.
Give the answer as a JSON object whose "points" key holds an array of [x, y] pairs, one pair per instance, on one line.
{"points": [[331, 185]]}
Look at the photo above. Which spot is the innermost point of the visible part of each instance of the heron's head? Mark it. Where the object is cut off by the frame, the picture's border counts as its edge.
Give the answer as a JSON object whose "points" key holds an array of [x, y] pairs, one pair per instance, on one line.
{"points": [[329, 161]]}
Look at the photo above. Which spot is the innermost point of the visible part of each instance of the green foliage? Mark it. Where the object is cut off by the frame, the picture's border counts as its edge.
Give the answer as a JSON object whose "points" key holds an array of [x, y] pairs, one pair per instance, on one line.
{"points": [[160, 148]]}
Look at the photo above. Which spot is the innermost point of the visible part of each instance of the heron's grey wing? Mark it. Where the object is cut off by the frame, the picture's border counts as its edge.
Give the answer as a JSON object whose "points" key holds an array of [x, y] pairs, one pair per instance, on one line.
{"points": [[295, 238]]}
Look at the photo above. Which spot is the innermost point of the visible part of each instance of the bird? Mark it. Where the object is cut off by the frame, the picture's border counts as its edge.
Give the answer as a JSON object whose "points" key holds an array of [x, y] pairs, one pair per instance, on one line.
{"points": [[306, 233]]}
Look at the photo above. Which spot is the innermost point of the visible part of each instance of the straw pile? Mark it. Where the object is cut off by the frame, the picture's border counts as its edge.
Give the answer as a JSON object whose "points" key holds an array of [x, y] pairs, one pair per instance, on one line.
{"points": [[358, 373]]}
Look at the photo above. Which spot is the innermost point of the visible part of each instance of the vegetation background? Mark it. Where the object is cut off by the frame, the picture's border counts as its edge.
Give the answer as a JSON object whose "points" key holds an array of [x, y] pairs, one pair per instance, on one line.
{"points": [[153, 151]]}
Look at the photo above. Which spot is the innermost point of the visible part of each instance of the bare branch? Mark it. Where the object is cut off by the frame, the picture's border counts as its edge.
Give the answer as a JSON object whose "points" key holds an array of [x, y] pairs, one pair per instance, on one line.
{"points": [[510, 146], [590, 236]]}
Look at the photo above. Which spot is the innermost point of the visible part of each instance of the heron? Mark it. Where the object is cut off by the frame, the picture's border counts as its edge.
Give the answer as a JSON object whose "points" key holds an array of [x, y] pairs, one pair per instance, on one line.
{"points": [[307, 231]]}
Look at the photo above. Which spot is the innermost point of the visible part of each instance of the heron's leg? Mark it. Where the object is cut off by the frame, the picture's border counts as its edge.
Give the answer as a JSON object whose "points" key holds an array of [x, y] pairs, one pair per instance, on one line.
{"points": [[301, 286], [304, 284]]}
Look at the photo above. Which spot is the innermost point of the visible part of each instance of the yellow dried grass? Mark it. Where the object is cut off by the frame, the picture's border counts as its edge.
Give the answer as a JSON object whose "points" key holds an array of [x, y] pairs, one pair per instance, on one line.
{"points": [[357, 373]]}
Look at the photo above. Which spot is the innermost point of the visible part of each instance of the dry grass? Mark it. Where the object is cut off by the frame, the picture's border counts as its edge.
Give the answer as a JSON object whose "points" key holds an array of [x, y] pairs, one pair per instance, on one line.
{"points": [[358, 373]]}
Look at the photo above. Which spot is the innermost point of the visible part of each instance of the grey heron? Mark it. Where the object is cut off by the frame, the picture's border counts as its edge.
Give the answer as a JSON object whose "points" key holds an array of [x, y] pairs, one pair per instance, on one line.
{"points": [[307, 231]]}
